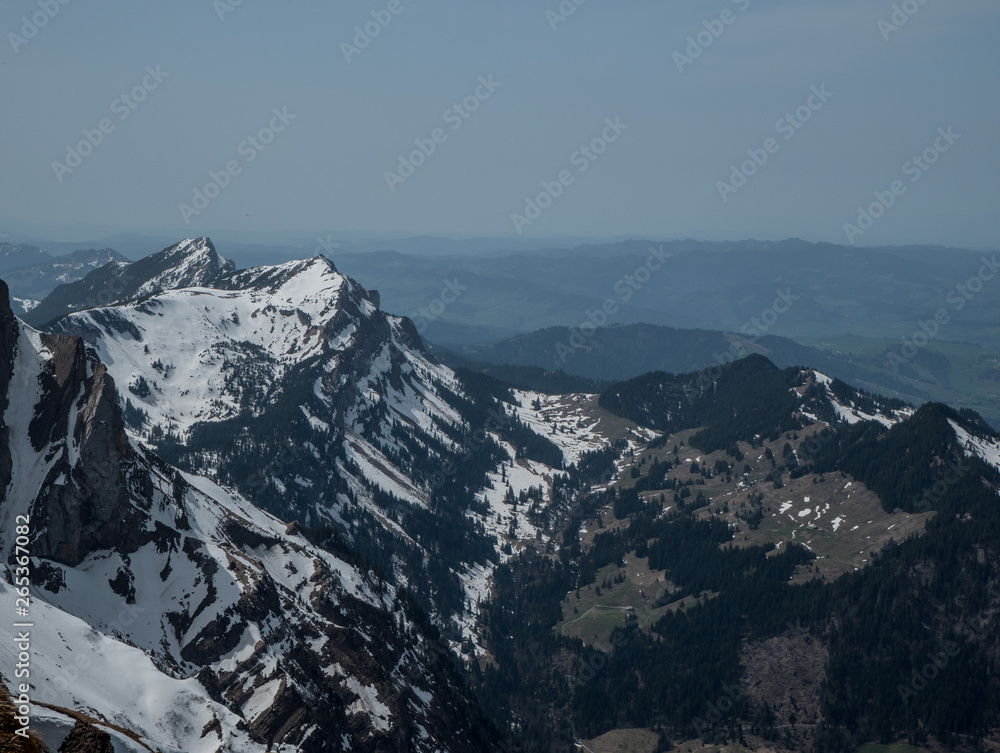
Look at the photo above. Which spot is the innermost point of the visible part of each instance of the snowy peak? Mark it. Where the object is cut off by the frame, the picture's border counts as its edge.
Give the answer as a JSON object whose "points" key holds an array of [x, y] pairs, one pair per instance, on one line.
{"points": [[194, 247], [199, 341], [192, 263], [308, 276]]}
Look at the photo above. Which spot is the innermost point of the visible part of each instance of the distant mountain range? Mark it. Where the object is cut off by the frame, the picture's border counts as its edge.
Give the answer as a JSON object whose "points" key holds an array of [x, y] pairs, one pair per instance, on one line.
{"points": [[962, 375], [875, 292], [33, 273], [509, 289]]}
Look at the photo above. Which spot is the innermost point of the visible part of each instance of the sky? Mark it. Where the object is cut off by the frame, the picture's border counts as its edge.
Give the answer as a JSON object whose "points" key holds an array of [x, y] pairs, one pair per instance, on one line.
{"points": [[719, 119]]}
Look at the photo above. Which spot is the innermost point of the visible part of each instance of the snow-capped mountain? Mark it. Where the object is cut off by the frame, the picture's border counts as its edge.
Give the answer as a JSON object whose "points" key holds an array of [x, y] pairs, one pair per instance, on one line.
{"points": [[193, 262], [170, 613], [289, 383]]}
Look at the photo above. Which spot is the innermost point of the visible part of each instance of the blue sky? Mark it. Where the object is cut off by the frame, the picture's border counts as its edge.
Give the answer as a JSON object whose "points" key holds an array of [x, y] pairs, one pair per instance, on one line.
{"points": [[348, 122]]}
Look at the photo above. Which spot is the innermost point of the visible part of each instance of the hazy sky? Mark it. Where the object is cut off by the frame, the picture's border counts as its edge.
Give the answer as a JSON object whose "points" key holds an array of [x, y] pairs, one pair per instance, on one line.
{"points": [[548, 92]]}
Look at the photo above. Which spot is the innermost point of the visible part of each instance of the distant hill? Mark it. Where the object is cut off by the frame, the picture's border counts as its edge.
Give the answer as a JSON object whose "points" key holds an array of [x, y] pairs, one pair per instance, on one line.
{"points": [[963, 375], [874, 292]]}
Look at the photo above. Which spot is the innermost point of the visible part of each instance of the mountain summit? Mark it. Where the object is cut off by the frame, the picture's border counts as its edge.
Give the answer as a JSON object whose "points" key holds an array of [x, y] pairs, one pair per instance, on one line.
{"points": [[193, 262]]}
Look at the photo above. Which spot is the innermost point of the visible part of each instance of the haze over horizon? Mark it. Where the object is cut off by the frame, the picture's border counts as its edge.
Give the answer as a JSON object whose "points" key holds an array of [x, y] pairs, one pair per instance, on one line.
{"points": [[832, 103]]}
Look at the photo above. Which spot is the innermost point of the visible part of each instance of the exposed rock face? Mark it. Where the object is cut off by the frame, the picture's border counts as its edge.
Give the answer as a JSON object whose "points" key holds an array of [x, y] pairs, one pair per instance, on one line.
{"points": [[86, 738], [93, 512], [76, 424], [8, 343]]}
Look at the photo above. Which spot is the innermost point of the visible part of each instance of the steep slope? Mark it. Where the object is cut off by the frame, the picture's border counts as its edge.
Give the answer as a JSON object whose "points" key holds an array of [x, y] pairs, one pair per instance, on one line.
{"points": [[290, 384], [238, 634]]}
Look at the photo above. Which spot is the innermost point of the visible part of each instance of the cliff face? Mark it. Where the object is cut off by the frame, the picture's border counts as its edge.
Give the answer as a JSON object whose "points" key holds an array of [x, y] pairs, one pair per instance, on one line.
{"points": [[75, 439], [8, 342]]}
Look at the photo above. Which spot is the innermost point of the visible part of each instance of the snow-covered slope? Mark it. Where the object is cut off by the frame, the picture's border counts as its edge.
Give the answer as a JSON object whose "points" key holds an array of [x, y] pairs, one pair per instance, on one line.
{"points": [[289, 383], [986, 449], [172, 608], [200, 354], [850, 407]]}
